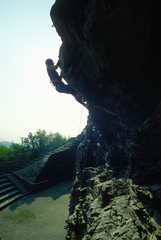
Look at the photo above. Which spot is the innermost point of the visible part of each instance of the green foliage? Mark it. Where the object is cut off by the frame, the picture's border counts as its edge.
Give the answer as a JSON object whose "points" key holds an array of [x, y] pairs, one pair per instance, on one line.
{"points": [[41, 142], [6, 154], [33, 146], [20, 152]]}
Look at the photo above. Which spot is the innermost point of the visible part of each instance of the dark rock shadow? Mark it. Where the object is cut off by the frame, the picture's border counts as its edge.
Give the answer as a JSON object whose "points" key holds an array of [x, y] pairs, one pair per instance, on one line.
{"points": [[59, 167]]}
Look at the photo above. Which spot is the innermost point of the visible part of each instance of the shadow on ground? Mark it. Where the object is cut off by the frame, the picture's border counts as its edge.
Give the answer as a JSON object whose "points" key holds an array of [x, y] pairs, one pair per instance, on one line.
{"points": [[41, 215], [54, 192]]}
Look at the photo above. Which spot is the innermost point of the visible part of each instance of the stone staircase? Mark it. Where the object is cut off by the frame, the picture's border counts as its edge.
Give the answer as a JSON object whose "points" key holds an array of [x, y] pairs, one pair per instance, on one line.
{"points": [[11, 189]]}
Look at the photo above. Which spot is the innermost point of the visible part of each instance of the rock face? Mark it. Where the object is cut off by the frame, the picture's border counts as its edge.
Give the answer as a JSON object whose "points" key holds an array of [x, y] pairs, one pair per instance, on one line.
{"points": [[60, 164], [111, 55]]}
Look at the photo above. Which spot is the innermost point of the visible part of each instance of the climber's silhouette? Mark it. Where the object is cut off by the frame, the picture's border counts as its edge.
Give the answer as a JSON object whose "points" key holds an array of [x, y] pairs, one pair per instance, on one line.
{"points": [[57, 80]]}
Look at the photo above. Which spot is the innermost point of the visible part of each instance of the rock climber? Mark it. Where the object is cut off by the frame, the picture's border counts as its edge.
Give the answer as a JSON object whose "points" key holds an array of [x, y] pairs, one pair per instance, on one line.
{"points": [[57, 80]]}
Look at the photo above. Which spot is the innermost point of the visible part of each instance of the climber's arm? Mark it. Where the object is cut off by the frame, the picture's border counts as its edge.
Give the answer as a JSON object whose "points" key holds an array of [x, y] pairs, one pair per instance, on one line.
{"points": [[53, 67], [58, 64]]}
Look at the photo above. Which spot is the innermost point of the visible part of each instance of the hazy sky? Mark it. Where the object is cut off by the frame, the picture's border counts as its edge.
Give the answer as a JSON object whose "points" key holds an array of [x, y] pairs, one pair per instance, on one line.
{"points": [[28, 101]]}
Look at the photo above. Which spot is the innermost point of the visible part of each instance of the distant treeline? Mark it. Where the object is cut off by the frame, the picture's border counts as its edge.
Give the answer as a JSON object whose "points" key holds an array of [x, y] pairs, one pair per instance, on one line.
{"points": [[32, 147]]}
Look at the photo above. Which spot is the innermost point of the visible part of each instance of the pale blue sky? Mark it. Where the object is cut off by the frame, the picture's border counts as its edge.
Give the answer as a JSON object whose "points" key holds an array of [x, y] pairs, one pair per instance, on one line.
{"points": [[28, 101]]}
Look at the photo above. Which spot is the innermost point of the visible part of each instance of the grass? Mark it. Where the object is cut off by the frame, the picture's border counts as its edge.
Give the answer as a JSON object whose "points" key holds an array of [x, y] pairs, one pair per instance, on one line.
{"points": [[24, 216]]}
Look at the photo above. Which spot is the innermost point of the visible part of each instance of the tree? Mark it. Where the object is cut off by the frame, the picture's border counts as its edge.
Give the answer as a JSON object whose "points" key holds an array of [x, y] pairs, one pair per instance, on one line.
{"points": [[33, 146], [20, 152], [56, 140], [6, 154], [41, 142]]}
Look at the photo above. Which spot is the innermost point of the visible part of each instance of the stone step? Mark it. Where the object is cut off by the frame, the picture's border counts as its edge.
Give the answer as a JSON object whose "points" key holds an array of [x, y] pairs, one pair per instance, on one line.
{"points": [[2, 176], [2, 180], [18, 184], [8, 195], [11, 189], [10, 200], [5, 185], [5, 190]]}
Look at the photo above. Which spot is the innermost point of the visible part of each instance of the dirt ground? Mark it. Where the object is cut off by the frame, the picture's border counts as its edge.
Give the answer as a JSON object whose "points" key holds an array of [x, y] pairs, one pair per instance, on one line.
{"points": [[38, 216]]}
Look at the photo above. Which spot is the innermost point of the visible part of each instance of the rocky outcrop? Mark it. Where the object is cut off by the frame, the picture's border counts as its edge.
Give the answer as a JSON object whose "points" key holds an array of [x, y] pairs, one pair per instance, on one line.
{"points": [[111, 55], [56, 165], [60, 164]]}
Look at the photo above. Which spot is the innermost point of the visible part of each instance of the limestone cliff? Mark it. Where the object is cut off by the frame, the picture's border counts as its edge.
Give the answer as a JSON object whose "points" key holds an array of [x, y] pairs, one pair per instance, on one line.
{"points": [[111, 55]]}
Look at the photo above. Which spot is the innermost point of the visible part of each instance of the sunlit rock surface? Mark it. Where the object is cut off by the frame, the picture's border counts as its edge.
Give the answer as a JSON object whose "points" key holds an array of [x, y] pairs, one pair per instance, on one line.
{"points": [[111, 55]]}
